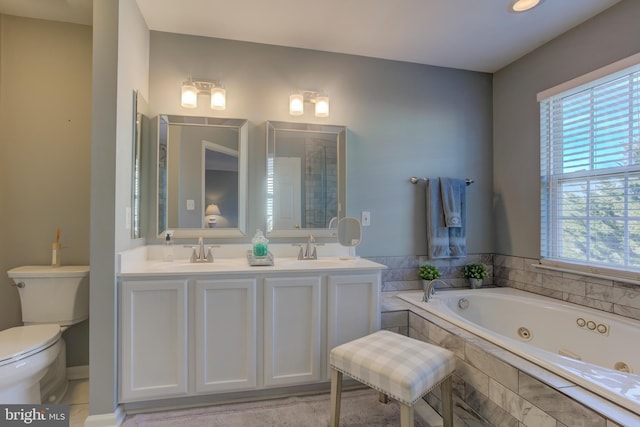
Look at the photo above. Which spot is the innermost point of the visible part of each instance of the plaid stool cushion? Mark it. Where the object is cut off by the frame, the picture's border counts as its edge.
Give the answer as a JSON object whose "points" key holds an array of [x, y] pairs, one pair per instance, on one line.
{"points": [[401, 367]]}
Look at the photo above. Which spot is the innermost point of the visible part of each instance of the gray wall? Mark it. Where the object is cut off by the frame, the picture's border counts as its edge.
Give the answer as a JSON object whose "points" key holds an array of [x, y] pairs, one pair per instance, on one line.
{"points": [[120, 66], [606, 38], [403, 119], [45, 142]]}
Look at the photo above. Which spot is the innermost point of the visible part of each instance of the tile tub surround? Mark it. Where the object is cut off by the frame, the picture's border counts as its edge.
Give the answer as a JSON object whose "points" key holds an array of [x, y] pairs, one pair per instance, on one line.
{"points": [[602, 294], [402, 271], [495, 387]]}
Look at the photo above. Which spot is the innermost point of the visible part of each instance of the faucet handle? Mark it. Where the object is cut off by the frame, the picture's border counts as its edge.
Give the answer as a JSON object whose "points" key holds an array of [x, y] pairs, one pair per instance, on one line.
{"points": [[194, 255], [300, 252], [209, 253]]}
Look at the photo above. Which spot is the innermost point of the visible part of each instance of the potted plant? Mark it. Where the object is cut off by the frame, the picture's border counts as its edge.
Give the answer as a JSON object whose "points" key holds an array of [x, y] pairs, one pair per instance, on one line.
{"points": [[475, 273], [428, 272]]}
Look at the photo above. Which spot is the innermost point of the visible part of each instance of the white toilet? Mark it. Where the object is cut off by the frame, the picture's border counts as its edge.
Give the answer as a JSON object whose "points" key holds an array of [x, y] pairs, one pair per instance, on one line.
{"points": [[33, 356]]}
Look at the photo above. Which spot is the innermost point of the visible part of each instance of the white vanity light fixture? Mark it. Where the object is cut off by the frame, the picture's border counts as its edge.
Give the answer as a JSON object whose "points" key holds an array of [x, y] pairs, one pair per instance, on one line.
{"points": [[524, 5], [322, 106], [192, 88], [297, 100], [296, 104]]}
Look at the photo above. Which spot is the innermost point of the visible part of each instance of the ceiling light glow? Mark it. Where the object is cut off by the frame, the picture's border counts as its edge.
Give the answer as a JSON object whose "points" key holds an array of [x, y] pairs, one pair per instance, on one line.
{"points": [[524, 5]]}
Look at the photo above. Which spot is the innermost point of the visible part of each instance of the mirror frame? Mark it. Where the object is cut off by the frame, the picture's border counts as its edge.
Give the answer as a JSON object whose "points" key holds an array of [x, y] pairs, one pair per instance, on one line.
{"points": [[340, 132], [242, 126]]}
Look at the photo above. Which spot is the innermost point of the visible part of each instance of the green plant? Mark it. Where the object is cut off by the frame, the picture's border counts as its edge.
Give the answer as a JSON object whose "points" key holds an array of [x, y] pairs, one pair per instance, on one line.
{"points": [[429, 272], [475, 271]]}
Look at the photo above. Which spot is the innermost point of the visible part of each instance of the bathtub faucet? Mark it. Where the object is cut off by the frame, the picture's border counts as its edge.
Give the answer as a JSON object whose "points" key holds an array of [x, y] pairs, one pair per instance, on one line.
{"points": [[430, 290]]}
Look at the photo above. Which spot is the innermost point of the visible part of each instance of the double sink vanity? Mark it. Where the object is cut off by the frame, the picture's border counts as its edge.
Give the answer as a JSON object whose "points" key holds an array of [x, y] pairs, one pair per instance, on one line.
{"points": [[206, 330], [192, 329]]}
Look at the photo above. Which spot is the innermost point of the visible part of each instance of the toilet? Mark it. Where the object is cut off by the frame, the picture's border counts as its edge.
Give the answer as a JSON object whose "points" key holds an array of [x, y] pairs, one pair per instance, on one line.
{"points": [[33, 356]]}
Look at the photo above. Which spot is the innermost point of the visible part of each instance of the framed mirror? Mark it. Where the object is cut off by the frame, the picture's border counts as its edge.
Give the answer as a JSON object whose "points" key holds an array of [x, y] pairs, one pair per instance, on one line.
{"points": [[202, 176], [306, 178], [140, 134]]}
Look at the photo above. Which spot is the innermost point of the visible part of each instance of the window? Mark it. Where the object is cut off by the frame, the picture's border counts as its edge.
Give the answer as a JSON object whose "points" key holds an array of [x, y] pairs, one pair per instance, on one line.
{"points": [[590, 172]]}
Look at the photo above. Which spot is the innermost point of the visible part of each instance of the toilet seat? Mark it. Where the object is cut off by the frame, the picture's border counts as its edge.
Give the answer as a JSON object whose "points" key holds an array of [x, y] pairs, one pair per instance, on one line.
{"points": [[23, 341]]}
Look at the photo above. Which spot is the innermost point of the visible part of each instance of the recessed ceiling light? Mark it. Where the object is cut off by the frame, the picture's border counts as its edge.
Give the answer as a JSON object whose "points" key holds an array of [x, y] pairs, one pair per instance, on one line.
{"points": [[524, 5]]}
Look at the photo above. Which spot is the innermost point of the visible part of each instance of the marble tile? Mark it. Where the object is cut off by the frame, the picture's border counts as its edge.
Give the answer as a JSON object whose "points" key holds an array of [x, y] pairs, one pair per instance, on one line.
{"points": [[394, 319], [492, 366], [564, 285], [473, 377], [557, 404], [481, 407], [522, 409], [590, 302], [443, 338]]}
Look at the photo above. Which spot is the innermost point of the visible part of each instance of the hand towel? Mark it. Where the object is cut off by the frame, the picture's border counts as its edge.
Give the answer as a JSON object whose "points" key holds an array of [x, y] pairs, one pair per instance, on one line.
{"points": [[437, 232], [451, 191], [456, 190]]}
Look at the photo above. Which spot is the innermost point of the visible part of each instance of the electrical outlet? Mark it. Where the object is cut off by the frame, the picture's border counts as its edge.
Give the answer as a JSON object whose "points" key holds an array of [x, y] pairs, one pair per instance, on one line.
{"points": [[366, 218], [191, 205]]}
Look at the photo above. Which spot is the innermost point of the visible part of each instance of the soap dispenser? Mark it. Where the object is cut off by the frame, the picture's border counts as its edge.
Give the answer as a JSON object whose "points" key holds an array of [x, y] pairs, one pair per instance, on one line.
{"points": [[168, 246], [260, 243]]}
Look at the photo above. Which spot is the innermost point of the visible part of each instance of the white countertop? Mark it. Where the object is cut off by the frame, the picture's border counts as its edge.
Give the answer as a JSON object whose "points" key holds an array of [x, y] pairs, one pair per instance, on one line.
{"points": [[137, 263]]}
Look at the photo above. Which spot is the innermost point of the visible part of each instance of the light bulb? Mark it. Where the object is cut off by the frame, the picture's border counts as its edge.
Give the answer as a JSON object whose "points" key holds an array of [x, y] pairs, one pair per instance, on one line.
{"points": [[322, 106], [189, 95], [296, 105], [218, 98]]}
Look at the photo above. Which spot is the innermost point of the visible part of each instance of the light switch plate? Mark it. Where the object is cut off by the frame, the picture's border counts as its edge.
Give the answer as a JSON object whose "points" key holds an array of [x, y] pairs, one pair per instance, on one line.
{"points": [[191, 205], [365, 218]]}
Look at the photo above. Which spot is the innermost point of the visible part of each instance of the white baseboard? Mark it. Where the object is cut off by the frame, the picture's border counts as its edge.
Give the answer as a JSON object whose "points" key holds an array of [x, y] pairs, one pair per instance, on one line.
{"points": [[78, 372], [113, 419]]}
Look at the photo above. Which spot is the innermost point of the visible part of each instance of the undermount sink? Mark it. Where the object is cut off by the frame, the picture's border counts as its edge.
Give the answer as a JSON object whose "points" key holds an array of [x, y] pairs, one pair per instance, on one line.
{"points": [[312, 263], [186, 265]]}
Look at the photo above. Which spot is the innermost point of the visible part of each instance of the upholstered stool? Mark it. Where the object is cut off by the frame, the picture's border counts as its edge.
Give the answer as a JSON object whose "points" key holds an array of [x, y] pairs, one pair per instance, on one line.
{"points": [[397, 366]]}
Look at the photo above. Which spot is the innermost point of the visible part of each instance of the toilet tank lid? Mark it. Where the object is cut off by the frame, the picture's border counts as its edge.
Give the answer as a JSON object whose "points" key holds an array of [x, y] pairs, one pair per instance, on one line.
{"points": [[21, 341], [48, 271]]}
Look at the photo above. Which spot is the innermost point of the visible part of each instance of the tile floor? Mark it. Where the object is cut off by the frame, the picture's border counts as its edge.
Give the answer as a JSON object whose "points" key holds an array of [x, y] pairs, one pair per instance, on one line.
{"points": [[77, 397]]}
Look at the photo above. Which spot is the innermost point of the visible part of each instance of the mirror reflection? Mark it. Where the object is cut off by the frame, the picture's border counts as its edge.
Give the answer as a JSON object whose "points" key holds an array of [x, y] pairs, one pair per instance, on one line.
{"points": [[140, 133], [202, 173], [305, 178]]}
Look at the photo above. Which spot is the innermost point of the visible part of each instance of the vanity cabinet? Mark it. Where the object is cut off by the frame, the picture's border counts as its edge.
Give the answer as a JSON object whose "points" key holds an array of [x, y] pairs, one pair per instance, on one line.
{"points": [[187, 335], [350, 307], [292, 330], [225, 335], [154, 337]]}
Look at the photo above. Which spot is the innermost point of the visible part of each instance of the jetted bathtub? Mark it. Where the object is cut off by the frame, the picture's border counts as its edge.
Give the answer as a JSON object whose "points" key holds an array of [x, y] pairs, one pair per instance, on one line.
{"points": [[597, 350]]}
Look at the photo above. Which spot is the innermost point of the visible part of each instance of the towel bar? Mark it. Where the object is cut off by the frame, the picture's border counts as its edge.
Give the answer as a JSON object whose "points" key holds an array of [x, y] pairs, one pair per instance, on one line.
{"points": [[415, 180]]}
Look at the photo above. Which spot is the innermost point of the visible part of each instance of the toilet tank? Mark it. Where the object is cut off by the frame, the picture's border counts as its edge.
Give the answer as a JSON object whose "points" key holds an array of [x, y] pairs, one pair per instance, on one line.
{"points": [[58, 295]]}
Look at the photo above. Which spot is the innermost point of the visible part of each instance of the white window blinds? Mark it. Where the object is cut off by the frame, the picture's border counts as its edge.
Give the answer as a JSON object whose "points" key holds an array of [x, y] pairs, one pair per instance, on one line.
{"points": [[590, 173]]}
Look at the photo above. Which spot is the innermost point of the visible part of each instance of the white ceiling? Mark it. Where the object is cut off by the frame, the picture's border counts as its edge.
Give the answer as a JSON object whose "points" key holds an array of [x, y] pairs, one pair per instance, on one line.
{"points": [[478, 35]]}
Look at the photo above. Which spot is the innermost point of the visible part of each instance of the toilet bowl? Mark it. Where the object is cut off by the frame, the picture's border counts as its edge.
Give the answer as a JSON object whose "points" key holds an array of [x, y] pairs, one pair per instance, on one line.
{"points": [[33, 357], [26, 353]]}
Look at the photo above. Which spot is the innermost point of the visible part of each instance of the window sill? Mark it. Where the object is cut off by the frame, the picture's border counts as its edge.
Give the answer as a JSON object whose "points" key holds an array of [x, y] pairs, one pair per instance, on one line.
{"points": [[590, 271]]}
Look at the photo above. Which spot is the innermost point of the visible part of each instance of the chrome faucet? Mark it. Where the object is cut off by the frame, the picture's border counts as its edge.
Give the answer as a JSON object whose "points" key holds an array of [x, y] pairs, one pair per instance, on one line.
{"points": [[200, 255], [309, 251], [430, 290]]}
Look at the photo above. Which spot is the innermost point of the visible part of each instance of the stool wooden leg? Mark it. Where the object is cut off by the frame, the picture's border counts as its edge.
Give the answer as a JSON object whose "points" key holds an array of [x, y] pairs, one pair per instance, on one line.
{"points": [[446, 391], [406, 415], [383, 398], [336, 394]]}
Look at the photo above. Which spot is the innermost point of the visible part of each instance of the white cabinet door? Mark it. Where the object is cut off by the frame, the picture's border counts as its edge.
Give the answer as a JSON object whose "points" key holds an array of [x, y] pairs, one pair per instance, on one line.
{"points": [[225, 335], [353, 307], [292, 330], [153, 339]]}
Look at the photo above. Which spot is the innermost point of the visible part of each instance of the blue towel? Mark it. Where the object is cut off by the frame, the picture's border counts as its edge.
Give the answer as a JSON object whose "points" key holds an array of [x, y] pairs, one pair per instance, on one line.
{"points": [[451, 191], [437, 233], [445, 241]]}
